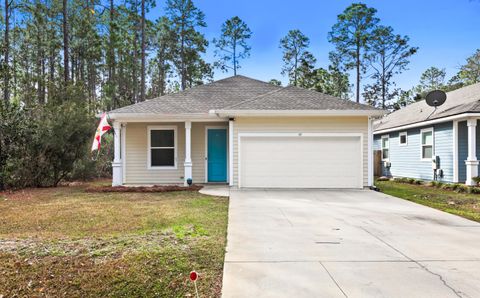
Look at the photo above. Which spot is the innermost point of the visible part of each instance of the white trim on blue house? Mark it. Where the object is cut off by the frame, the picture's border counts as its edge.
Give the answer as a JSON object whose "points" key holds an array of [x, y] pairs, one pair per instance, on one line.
{"points": [[422, 131], [387, 136], [455, 151]]}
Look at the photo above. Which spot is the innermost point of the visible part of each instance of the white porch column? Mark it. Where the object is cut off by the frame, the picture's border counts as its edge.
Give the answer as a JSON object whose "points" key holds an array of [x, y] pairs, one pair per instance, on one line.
{"points": [[188, 152], [230, 151], [471, 162], [117, 171]]}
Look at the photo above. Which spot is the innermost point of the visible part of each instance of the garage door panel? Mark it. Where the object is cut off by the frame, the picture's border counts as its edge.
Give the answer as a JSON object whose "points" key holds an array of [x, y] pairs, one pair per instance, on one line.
{"points": [[303, 162]]}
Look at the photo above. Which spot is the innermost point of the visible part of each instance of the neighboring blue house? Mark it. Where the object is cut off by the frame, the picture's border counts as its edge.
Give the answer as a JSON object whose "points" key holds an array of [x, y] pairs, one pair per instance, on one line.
{"points": [[412, 137]]}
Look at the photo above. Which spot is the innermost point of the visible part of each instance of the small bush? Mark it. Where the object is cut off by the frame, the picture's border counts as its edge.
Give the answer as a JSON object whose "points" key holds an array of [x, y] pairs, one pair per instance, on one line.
{"points": [[437, 184], [461, 188], [448, 186], [455, 186], [476, 179]]}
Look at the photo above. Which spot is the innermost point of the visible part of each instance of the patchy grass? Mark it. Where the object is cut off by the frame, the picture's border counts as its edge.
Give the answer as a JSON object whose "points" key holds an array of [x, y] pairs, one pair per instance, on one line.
{"points": [[67, 242], [462, 204]]}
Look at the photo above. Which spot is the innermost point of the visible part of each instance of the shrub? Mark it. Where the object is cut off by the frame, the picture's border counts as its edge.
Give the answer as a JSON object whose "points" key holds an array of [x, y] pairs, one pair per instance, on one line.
{"points": [[447, 186], [476, 179], [462, 188], [96, 165], [42, 145], [437, 183]]}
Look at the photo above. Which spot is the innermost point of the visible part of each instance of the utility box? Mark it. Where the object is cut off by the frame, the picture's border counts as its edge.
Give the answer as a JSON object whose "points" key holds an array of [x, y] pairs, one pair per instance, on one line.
{"points": [[435, 162]]}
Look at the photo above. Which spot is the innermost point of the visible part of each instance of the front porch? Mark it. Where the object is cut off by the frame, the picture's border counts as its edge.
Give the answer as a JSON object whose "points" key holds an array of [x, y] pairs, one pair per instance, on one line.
{"points": [[465, 135], [173, 152]]}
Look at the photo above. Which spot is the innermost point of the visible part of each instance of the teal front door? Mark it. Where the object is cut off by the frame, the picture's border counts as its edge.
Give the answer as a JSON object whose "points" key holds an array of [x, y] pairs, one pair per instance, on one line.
{"points": [[217, 155]]}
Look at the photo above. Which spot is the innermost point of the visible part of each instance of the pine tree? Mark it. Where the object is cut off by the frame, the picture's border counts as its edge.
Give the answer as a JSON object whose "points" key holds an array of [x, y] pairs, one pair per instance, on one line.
{"points": [[352, 35], [186, 19], [232, 44]]}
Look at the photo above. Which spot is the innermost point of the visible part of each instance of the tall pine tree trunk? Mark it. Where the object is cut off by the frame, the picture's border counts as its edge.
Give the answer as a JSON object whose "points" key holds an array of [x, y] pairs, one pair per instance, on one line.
{"points": [[358, 73], [142, 80], [65, 43], [6, 79], [134, 66], [111, 57], [182, 53], [234, 57]]}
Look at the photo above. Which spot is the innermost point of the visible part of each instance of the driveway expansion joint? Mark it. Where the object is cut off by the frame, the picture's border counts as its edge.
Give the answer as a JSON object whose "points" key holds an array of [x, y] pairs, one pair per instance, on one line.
{"points": [[333, 279], [456, 292]]}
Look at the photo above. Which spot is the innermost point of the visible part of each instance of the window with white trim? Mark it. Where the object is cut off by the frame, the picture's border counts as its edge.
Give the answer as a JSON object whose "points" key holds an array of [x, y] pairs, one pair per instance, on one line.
{"points": [[402, 139], [385, 147], [162, 147], [427, 143]]}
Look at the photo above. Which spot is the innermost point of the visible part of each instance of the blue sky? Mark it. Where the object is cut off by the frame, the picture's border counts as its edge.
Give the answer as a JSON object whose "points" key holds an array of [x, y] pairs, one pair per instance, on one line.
{"points": [[446, 31]]}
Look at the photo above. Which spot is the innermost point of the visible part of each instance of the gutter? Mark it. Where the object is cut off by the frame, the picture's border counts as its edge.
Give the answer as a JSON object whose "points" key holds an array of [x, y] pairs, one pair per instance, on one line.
{"points": [[291, 113], [428, 122], [145, 117]]}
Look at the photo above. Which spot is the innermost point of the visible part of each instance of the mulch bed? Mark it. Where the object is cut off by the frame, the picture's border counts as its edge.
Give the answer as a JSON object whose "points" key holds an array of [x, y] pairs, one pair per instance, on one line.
{"points": [[155, 188]]}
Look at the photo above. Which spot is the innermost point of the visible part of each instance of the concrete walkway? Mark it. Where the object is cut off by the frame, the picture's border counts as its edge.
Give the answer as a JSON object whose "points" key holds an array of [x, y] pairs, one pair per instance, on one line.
{"points": [[346, 243], [215, 190]]}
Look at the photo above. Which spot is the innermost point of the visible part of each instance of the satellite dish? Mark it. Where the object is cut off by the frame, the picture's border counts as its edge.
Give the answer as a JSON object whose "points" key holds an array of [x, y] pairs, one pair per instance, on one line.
{"points": [[436, 98]]}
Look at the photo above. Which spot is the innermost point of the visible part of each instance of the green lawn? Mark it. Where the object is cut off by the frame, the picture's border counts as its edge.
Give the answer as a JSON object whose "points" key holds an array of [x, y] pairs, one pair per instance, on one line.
{"points": [[462, 204], [66, 242]]}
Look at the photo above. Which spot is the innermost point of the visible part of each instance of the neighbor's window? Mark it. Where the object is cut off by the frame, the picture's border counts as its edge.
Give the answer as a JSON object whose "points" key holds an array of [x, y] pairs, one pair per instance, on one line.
{"points": [[427, 143], [385, 147], [162, 149], [403, 139]]}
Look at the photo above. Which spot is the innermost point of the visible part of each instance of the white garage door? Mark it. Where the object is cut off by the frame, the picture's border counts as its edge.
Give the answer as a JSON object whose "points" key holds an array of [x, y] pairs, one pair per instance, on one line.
{"points": [[300, 161]]}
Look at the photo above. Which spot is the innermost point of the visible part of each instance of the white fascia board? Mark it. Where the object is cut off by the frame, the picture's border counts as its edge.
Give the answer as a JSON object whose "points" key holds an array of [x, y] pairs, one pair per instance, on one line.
{"points": [[428, 122], [286, 113], [151, 117]]}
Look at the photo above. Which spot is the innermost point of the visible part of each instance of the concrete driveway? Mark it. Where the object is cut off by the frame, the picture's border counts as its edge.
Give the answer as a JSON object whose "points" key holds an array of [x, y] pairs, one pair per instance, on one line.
{"points": [[346, 243]]}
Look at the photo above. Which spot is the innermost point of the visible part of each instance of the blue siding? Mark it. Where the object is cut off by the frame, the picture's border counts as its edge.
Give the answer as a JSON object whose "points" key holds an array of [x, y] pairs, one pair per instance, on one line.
{"points": [[406, 160], [463, 148]]}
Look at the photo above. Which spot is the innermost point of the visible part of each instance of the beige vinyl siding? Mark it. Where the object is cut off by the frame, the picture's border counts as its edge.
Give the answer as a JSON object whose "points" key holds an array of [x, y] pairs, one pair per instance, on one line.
{"points": [[136, 161], [350, 124]]}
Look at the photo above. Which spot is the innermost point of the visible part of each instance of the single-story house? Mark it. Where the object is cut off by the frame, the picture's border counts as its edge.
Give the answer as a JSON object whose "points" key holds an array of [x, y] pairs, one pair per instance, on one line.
{"points": [[246, 133], [422, 142]]}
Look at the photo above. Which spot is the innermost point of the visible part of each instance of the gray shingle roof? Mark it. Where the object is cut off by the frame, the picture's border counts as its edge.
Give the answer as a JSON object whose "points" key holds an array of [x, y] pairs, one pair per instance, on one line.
{"points": [[463, 100], [240, 93], [295, 98], [203, 98]]}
